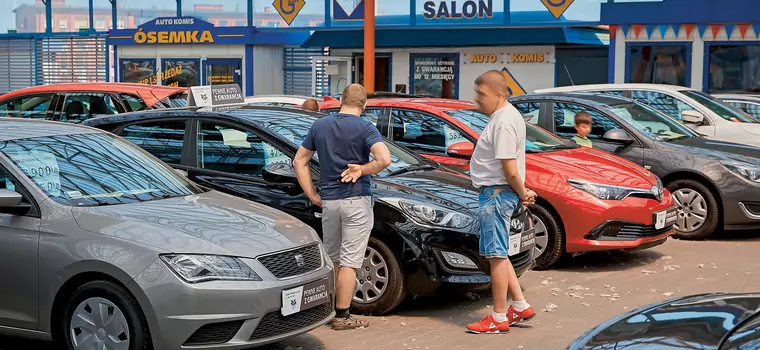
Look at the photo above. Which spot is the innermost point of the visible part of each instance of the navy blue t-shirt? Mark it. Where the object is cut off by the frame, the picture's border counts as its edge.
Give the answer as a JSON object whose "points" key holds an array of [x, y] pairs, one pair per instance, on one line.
{"points": [[339, 140]]}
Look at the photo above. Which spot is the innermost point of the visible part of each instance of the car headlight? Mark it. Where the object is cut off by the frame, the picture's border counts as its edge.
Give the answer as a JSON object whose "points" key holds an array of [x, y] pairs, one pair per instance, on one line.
{"points": [[605, 192], [431, 214], [202, 268], [745, 170]]}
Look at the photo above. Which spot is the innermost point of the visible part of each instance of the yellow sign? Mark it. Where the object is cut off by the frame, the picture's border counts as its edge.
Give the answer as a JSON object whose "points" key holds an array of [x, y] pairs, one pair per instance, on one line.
{"points": [[170, 73], [483, 58], [557, 7], [513, 87], [527, 58], [173, 37], [288, 9]]}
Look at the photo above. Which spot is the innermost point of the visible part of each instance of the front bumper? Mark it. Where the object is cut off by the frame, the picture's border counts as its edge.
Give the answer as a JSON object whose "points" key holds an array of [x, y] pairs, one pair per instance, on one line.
{"points": [[226, 314], [741, 203]]}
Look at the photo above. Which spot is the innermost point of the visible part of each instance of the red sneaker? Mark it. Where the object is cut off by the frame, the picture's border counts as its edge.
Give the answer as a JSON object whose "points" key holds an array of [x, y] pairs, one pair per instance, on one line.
{"points": [[516, 317], [489, 326]]}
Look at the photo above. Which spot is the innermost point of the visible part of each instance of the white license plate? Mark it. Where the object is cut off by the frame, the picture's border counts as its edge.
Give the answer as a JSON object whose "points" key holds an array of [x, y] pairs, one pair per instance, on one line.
{"points": [[659, 219], [514, 243], [304, 297]]}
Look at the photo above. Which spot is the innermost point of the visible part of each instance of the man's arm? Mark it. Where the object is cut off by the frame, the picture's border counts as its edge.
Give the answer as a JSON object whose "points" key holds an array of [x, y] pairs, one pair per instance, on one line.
{"points": [[382, 159], [513, 177], [505, 139], [301, 166]]}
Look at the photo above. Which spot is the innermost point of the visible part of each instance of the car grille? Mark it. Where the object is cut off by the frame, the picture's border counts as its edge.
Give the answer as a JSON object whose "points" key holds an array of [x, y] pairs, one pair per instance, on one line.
{"points": [[521, 259], [286, 264], [752, 208], [214, 333], [273, 323], [634, 231]]}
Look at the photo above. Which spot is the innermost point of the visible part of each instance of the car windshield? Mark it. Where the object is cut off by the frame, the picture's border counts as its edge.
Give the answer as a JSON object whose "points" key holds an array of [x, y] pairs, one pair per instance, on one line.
{"points": [[94, 169], [537, 140], [175, 101], [651, 122], [746, 336], [295, 129], [721, 108]]}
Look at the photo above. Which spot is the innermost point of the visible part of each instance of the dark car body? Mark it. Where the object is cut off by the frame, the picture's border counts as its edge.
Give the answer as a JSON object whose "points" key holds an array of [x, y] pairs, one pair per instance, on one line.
{"points": [[417, 246], [705, 321], [689, 159]]}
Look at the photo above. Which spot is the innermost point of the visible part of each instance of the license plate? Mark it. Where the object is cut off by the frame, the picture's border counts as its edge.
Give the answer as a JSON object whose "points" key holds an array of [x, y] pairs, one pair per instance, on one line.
{"points": [[659, 219], [304, 297], [514, 243]]}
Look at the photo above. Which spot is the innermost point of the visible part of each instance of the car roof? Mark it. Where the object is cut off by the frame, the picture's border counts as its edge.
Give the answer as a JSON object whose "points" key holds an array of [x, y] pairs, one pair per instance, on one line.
{"points": [[441, 104], [602, 99], [627, 86], [24, 128], [740, 96], [159, 90]]}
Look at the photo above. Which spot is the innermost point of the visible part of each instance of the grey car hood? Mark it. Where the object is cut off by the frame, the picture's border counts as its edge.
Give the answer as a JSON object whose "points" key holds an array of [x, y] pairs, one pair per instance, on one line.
{"points": [[207, 223]]}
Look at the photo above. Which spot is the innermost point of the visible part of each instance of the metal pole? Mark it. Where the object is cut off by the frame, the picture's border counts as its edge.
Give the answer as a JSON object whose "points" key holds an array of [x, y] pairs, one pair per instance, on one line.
{"points": [[114, 22], [48, 16], [250, 13], [179, 8], [92, 17], [369, 45]]}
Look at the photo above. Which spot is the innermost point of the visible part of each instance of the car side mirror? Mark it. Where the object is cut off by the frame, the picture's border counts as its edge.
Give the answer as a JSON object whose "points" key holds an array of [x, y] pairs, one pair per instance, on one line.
{"points": [[693, 117], [10, 203], [618, 136], [462, 149], [280, 173]]}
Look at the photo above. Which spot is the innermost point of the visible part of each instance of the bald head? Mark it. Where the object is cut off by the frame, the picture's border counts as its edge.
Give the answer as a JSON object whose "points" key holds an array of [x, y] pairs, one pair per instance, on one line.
{"points": [[311, 105], [493, 80], [354, 97]]}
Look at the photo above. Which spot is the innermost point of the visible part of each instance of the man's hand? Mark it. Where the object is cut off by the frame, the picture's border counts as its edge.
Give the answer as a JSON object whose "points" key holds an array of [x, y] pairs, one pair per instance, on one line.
{"points": [[529, 198], [353, 173], [317, 200]]}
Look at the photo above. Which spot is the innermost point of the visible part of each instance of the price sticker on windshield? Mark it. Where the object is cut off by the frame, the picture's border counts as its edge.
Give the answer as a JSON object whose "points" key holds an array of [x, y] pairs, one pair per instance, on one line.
{"points": [[41, 167]]}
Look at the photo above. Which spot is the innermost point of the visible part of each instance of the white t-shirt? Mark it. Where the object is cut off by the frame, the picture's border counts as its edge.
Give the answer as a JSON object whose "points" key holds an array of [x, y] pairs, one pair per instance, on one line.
{"points": [[502, 138]]}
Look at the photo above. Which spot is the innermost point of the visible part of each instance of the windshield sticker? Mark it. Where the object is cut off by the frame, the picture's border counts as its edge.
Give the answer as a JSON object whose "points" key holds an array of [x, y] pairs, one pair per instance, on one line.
{"points": [[274, 156], [234, 138], [41, 167], [452, 136]]}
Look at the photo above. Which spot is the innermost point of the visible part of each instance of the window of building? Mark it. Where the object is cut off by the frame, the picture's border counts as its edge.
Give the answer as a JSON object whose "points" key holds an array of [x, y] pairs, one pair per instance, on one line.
{"points": [[138, 70], [27, 107], [162, 139], [734, 68], [228, 149], [120, 23], [80, 23], [82, 106], [564, 121], [62, 23], [423, 132], [180, 72], [659, 64], [100, 23], [435, 75]]}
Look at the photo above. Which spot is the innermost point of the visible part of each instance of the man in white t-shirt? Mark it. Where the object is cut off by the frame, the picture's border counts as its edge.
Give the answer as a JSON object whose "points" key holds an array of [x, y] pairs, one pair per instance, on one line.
{"points": [[497, 169]]}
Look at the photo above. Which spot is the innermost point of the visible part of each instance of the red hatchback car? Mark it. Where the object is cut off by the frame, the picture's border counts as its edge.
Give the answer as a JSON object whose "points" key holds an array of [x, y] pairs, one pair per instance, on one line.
{"points": [[77, 102], [588, 200]]}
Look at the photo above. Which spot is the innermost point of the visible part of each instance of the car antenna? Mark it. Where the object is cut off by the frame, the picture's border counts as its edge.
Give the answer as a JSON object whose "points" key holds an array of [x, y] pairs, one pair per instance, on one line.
{"points": [[568, 74]]}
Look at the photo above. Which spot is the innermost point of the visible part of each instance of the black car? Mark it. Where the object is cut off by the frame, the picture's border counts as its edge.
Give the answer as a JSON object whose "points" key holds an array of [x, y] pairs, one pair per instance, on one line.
{"points": [[705, 321], [425, 237], [714, 183]]}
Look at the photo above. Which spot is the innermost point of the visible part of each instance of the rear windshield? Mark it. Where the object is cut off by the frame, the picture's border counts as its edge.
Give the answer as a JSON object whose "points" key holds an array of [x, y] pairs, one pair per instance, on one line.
{"points": [[174, 101]]}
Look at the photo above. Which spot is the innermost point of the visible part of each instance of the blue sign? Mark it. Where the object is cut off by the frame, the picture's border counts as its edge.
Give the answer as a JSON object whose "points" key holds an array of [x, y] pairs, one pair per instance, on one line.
{"points": [[348, 9], [180, 30], [453, 9]]}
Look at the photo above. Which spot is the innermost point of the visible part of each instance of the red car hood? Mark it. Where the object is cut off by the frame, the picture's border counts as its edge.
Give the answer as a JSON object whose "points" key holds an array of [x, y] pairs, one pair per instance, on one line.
{"points": [[592, 165]]}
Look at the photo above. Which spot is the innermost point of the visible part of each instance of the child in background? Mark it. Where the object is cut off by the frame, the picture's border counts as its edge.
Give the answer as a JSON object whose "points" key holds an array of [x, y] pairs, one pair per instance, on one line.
{"points": [[582, 129]]}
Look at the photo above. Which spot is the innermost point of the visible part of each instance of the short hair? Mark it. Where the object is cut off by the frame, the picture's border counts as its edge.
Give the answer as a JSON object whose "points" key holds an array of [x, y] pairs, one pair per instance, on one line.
{"points": [[353, 96], [492, 79], [582, 117], [311, 105]]}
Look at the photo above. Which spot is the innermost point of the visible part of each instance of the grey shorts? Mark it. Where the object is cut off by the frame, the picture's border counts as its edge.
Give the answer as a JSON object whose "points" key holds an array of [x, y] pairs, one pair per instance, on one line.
{"points": [[346, 226]]}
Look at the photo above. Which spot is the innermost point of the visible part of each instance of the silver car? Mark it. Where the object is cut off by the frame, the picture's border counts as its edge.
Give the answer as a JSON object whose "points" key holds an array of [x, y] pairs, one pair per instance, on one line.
{"points": [[103, 244]]}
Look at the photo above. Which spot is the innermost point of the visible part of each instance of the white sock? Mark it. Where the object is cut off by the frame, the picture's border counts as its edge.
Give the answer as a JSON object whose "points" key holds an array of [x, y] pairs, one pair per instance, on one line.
{"points": [[499, 317], [520, 305]]}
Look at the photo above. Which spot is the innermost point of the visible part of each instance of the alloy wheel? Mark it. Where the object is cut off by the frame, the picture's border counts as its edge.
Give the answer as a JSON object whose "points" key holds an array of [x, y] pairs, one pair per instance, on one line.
{"points": [[692, 209], [542, 237], [371, 278], [97, 323]]}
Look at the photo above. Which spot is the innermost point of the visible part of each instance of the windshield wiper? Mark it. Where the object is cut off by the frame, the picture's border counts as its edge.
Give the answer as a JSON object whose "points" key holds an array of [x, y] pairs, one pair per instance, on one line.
{"points": [[562, 146], [413, 168]]}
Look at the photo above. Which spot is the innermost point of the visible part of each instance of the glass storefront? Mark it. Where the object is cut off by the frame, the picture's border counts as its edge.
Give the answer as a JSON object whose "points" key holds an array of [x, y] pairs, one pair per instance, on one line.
{"points": [[435, 75], [222, 71], [181, 72], [659, 64], [138, 70], [733, 68]]}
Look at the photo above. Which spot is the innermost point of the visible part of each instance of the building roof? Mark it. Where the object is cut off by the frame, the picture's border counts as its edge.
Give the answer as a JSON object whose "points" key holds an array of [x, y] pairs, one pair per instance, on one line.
{"points": [[680, 12]]}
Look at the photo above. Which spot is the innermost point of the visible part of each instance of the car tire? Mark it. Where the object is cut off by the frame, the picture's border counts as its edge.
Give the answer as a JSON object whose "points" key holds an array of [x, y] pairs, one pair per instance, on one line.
{"points": [[120, 306], [554, 249], [685, 187], [394, 290]]}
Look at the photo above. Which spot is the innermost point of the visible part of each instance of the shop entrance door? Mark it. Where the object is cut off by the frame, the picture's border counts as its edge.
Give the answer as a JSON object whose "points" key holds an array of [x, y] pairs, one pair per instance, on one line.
{"points": [[218, 71], [382, 71]]}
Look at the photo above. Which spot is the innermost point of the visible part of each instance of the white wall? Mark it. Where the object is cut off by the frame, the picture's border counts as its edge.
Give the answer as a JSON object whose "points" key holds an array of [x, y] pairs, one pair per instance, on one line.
{"points": [[530, 76], [268, 73], [697, 47]]}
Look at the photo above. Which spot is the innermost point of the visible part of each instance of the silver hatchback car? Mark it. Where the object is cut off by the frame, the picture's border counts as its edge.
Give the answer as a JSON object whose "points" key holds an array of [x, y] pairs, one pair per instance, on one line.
{"points": [[102, 246]]}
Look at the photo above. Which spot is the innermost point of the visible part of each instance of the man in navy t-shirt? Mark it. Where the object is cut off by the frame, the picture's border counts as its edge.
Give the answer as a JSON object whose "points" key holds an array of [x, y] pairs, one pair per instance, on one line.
{"points": [[344, 143]]}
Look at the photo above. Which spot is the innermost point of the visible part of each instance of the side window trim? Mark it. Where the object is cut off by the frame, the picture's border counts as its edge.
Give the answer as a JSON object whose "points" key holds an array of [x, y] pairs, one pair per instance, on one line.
{"points": [[427, 114], [184, 159]]}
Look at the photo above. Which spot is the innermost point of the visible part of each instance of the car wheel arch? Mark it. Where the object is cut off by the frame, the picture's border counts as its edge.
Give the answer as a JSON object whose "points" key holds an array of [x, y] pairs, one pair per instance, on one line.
{"points": [[704, 180]]}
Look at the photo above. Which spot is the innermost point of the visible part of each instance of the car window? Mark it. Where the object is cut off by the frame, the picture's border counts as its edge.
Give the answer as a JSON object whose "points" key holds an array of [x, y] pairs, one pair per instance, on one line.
{"points": [[423, 132], [564, 121], [174, 101], [752, 109], [608, 92], [724, 110], [162, 139], [232, 150], [529, 111], [651, 122], [26, 107], [82, 106], [664, 102], [746, 337], [94, 169], [133, 103]]}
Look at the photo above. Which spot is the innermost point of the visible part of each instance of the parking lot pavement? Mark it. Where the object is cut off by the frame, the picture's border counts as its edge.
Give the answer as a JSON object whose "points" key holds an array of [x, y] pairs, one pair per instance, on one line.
{"points": [[588, 290]]}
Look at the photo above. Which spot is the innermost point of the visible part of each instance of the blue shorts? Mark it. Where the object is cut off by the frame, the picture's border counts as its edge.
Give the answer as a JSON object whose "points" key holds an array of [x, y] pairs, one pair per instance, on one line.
{"points": [[495, 213]]}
